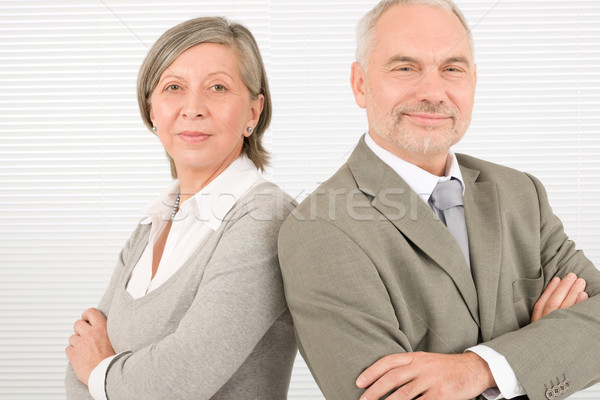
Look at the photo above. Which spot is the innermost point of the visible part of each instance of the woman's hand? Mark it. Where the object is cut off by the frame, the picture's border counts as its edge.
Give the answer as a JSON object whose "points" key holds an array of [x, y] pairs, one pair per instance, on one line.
{"points": [[89, 345]]}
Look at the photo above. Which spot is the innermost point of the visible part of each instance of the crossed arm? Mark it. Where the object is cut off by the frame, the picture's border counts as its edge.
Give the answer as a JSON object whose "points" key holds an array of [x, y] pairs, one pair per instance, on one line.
{"points": [[433, 376], [454, 376], [89, 344]]}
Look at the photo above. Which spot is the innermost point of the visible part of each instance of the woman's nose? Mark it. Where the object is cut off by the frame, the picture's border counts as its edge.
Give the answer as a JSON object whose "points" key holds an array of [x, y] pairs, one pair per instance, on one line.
{"points": [[194, 106]]}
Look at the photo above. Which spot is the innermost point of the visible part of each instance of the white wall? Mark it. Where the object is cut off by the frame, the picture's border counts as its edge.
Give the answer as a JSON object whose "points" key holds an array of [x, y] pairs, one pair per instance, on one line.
{"points": [[76, 163]]}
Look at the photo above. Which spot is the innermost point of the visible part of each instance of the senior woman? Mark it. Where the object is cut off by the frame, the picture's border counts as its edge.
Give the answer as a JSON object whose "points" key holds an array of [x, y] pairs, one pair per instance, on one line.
{"points": [[195, 307]]}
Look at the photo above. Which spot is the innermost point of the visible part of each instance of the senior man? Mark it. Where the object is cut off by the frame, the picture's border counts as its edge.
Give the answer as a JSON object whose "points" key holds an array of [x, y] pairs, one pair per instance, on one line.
{"points": [[413, 272]]}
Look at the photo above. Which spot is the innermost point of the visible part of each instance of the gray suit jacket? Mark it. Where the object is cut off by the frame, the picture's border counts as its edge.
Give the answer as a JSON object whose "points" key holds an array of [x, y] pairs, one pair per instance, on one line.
{"points": [[370, 271]]}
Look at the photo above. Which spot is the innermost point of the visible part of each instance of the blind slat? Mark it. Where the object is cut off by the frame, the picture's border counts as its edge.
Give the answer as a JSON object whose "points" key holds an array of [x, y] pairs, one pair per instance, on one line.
{"points": [[77, 163]]}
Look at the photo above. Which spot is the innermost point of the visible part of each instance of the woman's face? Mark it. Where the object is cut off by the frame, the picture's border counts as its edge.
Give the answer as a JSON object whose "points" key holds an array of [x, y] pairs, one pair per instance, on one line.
{"points": [[201, 109]]}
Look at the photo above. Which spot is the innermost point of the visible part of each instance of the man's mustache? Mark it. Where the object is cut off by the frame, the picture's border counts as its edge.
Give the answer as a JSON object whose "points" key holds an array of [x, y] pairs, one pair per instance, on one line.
{"points": [[425, 108]]}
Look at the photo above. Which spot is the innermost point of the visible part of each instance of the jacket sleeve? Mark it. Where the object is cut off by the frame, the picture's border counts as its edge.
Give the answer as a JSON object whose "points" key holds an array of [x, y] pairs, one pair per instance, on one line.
{"points": [[238, 300], [565, 344], [343, 317]]}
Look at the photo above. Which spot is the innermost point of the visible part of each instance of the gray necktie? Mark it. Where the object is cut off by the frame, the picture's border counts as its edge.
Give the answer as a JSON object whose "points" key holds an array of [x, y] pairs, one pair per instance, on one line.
{"points": [[447, 198]]}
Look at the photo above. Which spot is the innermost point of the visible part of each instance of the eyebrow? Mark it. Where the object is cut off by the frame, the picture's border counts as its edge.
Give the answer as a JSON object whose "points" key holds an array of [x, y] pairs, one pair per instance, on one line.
{"points": [[406, 59], [171, 76], [220, 72], [457, 60], [400, 59]]}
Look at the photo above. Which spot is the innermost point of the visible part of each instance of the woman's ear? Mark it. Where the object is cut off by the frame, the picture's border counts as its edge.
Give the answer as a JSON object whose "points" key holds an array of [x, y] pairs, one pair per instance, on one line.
{"points": [[256, 108]]}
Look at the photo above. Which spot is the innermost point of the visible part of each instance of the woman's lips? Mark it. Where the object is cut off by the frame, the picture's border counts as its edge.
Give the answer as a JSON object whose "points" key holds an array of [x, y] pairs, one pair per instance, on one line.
{"points": [[193, 136], [429, 119]]}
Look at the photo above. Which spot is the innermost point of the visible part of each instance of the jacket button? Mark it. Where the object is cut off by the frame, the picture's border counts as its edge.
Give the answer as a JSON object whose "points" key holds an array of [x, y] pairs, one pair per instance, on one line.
{"points": [[557, 391], [563, 388], [550, 394], [568, 384]]}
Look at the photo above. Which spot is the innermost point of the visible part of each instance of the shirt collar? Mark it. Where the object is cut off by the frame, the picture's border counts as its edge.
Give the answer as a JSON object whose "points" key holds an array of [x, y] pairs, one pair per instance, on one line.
{"points": [[162, 206], [213, 202], [419, 180]]}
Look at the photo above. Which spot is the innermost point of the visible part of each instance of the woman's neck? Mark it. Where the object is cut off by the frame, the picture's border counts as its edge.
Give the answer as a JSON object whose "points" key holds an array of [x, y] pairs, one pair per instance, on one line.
{"points": [[193, 180]]}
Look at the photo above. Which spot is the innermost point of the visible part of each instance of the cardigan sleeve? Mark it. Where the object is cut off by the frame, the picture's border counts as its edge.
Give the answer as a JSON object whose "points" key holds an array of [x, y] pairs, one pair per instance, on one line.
{"points": [[238, 300], [76, 390]]}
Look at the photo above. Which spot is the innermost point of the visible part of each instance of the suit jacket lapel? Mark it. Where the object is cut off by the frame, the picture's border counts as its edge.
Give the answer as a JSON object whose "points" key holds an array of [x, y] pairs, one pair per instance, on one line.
{"points": [[393, 198], [484, 227]]}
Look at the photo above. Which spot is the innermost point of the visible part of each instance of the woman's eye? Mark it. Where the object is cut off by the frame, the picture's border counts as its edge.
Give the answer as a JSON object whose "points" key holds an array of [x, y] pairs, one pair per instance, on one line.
{"points": [[219, 88], [172, 87]]}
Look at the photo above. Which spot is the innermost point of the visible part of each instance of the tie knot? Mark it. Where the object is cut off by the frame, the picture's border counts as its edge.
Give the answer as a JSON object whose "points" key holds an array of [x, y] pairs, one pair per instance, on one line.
{"points": [[447, 194]]}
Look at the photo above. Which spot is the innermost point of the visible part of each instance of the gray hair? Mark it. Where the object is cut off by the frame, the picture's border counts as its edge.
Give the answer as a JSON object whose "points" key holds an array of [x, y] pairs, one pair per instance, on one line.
{"points": [[251, 69], [366, 26]]}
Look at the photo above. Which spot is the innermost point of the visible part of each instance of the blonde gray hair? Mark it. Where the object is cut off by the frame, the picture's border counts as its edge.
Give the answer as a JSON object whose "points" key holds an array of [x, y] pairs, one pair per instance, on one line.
{"points": [[251, 69], [366, 27]]}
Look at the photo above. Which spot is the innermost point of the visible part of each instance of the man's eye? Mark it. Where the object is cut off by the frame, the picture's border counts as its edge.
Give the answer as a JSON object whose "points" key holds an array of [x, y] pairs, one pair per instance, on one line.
{"points": [[404, 69], [173, 87], [219, 88]]}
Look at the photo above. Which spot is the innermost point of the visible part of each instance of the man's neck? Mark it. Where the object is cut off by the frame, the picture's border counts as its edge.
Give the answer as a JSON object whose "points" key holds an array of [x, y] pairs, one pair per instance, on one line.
{"points": [[434, 163]]}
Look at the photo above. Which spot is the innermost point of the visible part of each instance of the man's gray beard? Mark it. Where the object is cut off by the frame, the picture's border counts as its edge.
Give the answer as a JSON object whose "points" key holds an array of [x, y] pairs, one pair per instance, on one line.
{"points": [[404, 138]]}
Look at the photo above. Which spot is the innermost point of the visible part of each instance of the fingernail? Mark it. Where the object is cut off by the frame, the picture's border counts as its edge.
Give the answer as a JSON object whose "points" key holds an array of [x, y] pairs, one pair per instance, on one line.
{"points": [[571, 276], [359, 382], [580, 282]]}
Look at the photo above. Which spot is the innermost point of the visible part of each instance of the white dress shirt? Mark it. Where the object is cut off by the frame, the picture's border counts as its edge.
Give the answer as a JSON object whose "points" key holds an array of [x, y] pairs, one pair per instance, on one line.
{"points": [[423, 183], [196, 219]]}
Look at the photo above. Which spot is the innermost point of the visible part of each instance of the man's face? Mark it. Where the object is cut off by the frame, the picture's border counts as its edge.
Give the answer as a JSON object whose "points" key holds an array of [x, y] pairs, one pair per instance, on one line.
{"points": [[419, 86]]}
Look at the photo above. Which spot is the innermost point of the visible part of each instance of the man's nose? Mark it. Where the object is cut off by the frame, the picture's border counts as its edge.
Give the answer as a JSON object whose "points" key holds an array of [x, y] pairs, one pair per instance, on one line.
{"points": [[431, 87]]}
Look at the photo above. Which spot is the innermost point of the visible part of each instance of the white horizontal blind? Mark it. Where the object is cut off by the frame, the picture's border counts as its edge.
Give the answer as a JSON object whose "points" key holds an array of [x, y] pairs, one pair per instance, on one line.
{"points": [[77, 164]]}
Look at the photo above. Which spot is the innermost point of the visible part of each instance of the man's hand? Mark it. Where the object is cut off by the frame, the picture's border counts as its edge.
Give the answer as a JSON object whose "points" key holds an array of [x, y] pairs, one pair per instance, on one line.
{"points": [[559, 294], [89, 345], [428, 375]]}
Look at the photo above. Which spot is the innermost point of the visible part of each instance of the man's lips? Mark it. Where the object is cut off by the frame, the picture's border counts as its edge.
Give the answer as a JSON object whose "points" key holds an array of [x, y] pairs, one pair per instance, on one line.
{"points": [[193, 136], [429, 119]]}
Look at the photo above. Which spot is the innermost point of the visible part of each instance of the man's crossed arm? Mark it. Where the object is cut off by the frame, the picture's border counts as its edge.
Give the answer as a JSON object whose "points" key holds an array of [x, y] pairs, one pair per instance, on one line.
{"points": [[432, 376]]}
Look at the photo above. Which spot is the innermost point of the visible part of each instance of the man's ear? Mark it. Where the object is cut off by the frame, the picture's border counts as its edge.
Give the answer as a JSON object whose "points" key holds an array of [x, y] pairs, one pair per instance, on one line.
{"points": [[358, 83]]}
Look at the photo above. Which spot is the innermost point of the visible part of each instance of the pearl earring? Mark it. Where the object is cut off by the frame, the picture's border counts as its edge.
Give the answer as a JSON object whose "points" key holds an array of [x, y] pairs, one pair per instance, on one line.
{"points": [[154, 129], [249, 129]]}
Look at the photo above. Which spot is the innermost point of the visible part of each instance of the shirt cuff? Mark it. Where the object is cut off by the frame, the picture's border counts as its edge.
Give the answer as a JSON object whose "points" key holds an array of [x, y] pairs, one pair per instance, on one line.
{"points": [[97, 379], [506, 380]]}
